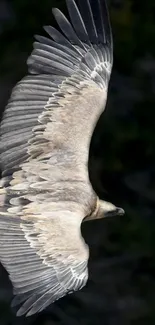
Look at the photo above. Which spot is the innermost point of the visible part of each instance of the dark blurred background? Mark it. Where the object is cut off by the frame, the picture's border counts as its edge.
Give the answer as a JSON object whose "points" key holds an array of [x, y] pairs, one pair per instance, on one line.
{"points": [[121, 289]]}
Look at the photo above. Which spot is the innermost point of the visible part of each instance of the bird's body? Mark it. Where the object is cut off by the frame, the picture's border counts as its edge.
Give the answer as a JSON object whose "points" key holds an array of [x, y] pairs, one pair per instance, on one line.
{"points": [[45, 136]]}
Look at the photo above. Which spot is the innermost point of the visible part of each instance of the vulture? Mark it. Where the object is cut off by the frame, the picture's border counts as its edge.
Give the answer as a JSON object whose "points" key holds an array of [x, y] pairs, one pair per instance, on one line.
{"points": [[45, 134]]}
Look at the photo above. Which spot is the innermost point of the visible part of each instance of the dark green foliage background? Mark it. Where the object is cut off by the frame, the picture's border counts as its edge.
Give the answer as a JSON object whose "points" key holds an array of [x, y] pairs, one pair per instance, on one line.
{"points": [[122, 166]]}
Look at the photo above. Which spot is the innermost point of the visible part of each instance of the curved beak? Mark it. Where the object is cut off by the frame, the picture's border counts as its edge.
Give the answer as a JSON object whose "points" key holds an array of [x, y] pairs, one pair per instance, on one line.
{"points": [[115, 212]]}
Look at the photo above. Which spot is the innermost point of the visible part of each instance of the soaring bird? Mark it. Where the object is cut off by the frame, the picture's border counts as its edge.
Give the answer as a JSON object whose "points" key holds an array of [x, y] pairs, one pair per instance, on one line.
{"points": [[46, 131]]}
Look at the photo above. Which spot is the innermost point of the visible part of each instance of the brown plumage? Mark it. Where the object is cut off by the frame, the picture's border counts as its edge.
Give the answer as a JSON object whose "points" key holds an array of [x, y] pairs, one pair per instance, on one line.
{"points": [[45, 136]]}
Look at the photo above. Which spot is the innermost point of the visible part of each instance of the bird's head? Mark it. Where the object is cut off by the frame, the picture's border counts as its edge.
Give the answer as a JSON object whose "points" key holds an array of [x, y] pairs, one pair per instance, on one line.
{"points": [[107, 209], [104, 209]]}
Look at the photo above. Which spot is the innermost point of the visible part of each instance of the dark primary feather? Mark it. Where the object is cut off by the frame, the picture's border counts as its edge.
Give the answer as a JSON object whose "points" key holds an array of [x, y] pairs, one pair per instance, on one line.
{"points": [[67, 29], [45, 192], [87, 15], [77, 21]]}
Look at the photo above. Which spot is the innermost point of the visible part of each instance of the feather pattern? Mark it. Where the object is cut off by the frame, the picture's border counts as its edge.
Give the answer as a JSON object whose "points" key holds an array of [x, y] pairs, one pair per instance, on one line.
{"points": [[45, 192]]}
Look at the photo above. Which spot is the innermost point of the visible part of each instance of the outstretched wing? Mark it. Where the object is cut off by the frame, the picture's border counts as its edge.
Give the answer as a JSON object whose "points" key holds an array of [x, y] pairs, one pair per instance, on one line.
{"points": [[45, 255], [45, 134]]}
